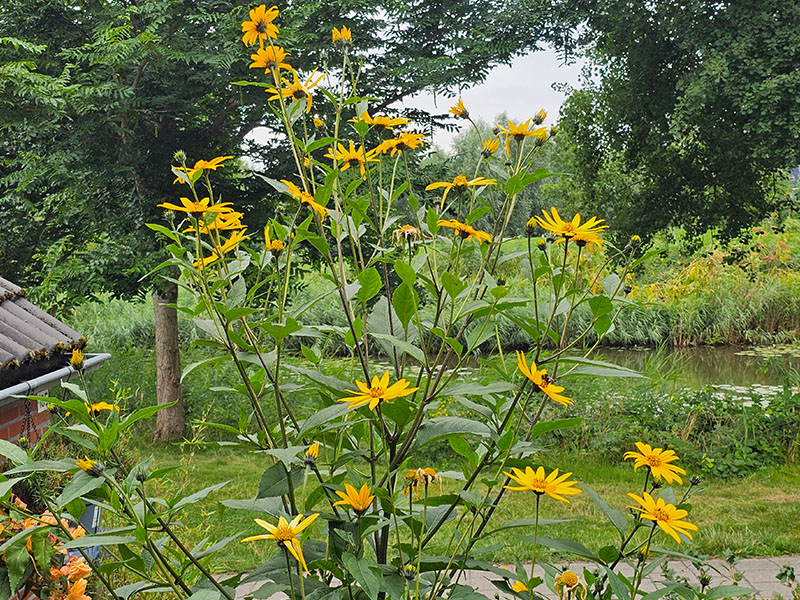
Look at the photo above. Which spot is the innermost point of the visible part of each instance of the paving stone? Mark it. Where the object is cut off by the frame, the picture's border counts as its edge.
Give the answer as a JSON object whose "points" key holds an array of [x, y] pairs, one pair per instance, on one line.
{"points": [[757, 573]]}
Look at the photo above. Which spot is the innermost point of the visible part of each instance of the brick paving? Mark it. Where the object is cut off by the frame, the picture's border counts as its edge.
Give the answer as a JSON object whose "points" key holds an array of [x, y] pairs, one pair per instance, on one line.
{"points": [[757, 573]]}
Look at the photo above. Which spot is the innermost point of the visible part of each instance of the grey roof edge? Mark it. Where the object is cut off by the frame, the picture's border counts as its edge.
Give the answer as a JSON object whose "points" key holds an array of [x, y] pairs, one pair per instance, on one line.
{"points": [[38, 385]]}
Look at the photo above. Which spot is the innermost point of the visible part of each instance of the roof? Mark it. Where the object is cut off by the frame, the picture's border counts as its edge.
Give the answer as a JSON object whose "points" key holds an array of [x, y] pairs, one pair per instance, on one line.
{"points": [[32, 342]]}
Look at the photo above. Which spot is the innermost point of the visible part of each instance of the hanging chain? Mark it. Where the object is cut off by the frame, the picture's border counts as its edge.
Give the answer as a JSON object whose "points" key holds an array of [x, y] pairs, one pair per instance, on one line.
{"points": [[28, 430]]}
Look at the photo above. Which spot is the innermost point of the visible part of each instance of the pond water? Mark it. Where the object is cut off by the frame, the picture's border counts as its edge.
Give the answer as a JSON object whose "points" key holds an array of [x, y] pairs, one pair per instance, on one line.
{"points": [[703, 365]]}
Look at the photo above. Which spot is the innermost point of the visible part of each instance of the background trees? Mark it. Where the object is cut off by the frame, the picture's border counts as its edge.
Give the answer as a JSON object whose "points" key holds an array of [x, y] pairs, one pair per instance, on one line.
{"points": [[691, 113], [96, 98]]}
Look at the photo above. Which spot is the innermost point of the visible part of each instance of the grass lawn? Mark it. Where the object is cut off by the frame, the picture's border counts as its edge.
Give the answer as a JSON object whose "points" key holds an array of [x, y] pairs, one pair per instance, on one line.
{"points": [[751, 516]]}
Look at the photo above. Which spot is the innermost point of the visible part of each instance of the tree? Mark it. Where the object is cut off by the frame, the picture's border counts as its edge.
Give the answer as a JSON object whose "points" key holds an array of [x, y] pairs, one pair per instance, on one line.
{"points": [[98, 97], [695, 112]]}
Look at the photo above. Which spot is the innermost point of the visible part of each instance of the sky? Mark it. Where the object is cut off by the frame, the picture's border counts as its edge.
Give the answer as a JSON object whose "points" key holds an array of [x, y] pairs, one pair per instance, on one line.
{"points": [[519, 89]]}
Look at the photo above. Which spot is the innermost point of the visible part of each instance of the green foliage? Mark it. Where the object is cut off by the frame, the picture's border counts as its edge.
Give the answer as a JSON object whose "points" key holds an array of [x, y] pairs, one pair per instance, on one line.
{"points": [[694, 116], [715, 433]]}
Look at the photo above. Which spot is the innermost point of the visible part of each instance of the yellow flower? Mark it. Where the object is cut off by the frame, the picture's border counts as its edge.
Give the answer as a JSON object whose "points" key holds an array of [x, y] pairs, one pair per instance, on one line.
{"points": [[539, 117], [272, 245], [192, 207], [313, 450], [667, 516], [269, 59], [101, 406], [379, 391], [459, 184], [381, 122], [465, 231], [318, 122], [201, 165], [585, 238], [567, 229], [401, 143], [658, 461], [535, 481], [305, 198], [459, 111], [521, 131], [87, 465], [518, 586], [260, 25], [224, 221], [76, 360], [285, 533], [490, 147], [359, 500], [296, 89], [352, 157], [221, 250], [343, 37], [542, 380]]}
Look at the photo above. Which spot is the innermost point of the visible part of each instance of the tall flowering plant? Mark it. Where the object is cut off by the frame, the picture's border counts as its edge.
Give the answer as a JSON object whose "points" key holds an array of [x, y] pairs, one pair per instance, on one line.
{"points": [[348, 498]]}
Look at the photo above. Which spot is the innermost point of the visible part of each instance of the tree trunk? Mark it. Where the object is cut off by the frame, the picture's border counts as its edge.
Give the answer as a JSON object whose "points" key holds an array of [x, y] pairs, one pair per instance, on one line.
{"points": [[170, 422]]}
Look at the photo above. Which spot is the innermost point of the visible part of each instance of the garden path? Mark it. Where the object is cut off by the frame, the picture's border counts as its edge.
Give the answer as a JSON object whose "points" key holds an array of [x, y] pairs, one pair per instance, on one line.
{"points": [[757, 573]]}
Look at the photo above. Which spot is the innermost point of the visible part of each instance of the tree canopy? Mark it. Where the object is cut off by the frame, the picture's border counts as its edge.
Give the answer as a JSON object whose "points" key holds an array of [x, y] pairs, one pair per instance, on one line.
{"points": [[96, 97], [692, 112]]}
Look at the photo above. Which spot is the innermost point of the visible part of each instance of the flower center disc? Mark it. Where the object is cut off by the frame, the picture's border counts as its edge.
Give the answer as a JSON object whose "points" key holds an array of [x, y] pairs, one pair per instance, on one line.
{"points": [[283, 533]]}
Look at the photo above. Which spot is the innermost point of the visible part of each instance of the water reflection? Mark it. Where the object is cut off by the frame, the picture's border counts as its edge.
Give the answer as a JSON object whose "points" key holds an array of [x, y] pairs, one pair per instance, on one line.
{"points": [[698, 367]]}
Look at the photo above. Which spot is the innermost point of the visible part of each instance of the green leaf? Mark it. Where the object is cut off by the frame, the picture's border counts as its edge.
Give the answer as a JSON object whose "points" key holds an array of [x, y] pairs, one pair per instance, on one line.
{"points": [[359, 569], [141, 414], [728, 591], [401, 345], [281, 331], [431, 220], [404, 303], [616, 516], [451, 341], [275, 482], [619, 588], [17, 562], [57, 466], [322, 417], [371, 284], [13, 452], [437, 427], [565, 545], [452, 284], [272, 506], [405, 272], [545, 426], [206, 361], [197, 496], [527, 523], [598, 368], [81, 484], [102, 539]]}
